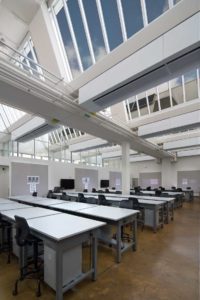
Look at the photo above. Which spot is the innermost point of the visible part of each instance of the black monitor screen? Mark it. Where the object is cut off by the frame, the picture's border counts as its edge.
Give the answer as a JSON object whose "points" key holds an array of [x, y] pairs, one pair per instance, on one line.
{"points": [[104, 183], [67, 183]]}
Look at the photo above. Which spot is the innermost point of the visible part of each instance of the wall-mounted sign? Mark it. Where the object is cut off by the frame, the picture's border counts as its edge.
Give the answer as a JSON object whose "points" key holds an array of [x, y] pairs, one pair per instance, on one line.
{"points": [[33, 181]]}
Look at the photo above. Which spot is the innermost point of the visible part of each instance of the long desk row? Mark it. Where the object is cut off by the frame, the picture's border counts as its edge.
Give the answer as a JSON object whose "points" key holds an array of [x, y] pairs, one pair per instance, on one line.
{"points": [[152, 205]]}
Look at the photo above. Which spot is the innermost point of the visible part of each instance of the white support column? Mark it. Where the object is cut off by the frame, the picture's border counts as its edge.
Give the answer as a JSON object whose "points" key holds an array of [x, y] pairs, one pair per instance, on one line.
{"points": [[125, 168]]}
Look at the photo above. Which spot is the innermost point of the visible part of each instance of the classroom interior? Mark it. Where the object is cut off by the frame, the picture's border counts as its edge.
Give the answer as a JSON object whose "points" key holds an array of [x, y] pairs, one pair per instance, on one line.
{"points": [[100, 149]]}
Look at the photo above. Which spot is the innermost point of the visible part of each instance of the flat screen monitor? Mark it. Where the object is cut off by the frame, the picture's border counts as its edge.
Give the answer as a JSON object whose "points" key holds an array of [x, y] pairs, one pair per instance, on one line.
{"points": [[67, 184], [104, 183]]}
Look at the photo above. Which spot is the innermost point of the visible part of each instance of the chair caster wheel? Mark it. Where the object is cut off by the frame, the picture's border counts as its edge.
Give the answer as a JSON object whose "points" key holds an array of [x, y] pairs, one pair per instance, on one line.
{"points": [[14, 293]]}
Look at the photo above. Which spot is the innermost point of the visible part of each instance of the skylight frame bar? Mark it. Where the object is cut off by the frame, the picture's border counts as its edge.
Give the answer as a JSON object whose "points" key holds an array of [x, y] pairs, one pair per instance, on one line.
{"points": [[121, 19], [198, 83], [144, 13]]}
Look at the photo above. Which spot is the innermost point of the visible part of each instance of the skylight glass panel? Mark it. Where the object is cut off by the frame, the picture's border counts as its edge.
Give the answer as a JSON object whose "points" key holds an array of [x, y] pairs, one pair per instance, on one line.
{"points": [[94, 28], [67, 41], [79, 33], [155, 8], [112, 23], [132, 16]]}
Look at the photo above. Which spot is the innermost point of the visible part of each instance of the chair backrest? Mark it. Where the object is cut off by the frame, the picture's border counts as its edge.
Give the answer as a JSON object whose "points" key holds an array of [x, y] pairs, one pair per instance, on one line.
{"points": [[126, 204], [179, 190], [102, 200], [113, 188], [50, 194], [22, 231], [81, 198], [188, 188], [85, 191], [34, 194], [173, 187], [118, 192], [57, 189], [158, 192], [107, 191], [94, 190], [65, 197], [135, 203], [148, 188]]}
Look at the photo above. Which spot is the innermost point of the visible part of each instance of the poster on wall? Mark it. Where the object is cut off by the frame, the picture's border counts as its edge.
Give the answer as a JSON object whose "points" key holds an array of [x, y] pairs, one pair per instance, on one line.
{"points": [[86, 181], [32, 181]]}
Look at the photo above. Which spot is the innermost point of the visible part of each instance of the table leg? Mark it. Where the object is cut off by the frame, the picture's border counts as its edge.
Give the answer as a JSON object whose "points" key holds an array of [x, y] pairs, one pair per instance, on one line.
{"points": [[135, 234], [94, 257], [118, 240], [59, 274], [154, 220]]}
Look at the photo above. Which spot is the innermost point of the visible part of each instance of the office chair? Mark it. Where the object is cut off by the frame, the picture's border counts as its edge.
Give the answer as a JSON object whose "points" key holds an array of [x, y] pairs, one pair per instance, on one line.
{"points": [[118, 192], [148, 188], [94, 190], [6, 240], [51, 195], [81, 198], [158, 192], [188, 188], [107, 191], [113, 188], [179, 190], [173, 188], [85, 190], [57, 189], [102, 200], [65, 197], [136, 206], [34, 194], [33, 268]]}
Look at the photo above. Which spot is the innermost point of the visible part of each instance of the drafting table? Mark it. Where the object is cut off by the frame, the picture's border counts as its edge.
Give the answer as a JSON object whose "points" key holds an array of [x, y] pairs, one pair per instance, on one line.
{"points": [[36, 201], [63, 236], [111, 215], [4, 201]]}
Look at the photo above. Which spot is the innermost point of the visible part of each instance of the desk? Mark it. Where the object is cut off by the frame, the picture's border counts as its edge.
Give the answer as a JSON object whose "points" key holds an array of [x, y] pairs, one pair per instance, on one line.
{"points": [[12, 205], [36, 201], [4, 201], [62, 235], [110, 215]]}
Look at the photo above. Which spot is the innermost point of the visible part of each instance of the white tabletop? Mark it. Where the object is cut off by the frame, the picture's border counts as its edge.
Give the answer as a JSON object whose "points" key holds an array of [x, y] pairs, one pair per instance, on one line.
{"points": [[62, 226], [13, 205], [143, 197], [107, 212], [2, 200], [36, 200], [153, 202], [73, 206], [29, 213], [169, 193]]}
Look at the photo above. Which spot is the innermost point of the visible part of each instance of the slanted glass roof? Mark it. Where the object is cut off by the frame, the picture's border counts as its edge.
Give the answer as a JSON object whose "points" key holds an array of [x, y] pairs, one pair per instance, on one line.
{"points": [[8, 116]]}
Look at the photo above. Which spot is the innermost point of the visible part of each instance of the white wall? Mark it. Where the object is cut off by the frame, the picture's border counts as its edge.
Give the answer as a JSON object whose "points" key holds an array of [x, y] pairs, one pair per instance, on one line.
{"points": [[168, 169]]}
